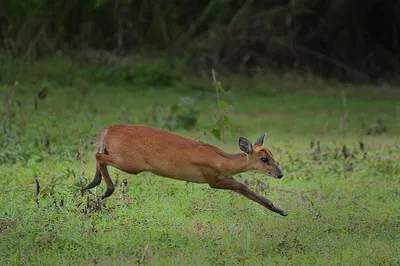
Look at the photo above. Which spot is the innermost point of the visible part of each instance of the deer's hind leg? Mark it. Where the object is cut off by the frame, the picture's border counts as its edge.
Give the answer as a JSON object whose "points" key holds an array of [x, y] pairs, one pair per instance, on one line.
{"points": [[103, 160], [96, 180]]}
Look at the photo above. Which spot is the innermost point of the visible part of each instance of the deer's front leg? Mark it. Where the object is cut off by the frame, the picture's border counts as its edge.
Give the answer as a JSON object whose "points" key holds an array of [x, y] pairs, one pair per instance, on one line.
{"points": [[231, 184]]}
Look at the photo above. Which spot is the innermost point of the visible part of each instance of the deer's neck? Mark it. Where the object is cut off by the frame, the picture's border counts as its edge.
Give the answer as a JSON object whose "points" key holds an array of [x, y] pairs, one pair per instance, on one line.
{"points": [[235, 164]]}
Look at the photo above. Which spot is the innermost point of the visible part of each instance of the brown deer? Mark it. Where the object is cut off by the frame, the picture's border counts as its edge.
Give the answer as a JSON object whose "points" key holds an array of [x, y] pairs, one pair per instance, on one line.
{"points": [[135, 149]]}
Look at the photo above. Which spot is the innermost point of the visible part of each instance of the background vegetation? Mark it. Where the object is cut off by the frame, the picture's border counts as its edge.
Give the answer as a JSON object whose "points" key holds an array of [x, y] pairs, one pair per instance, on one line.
{"points": [[350, 40]]}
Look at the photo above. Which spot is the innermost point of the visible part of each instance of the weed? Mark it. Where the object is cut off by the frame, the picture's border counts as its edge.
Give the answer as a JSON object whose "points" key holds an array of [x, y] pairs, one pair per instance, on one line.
{"points": [[183, 114]]}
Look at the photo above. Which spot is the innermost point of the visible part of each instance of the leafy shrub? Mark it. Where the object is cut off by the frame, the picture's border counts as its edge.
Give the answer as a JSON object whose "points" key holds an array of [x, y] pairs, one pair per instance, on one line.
{"points": [[63, 71], [152, 73], [180, 115]]}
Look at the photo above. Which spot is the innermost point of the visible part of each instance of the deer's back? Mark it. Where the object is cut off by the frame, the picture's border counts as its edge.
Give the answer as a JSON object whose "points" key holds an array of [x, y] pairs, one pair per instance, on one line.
{"points": [[140, 148]]}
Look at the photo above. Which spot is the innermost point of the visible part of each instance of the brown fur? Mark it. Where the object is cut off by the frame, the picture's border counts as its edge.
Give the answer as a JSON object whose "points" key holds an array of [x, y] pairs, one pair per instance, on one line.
{"points": [[135, 149]]}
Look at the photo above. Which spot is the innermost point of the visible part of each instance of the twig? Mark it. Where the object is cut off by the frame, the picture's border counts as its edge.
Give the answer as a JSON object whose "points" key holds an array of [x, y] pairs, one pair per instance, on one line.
{"points": [[33, 44], [82, 162], [343, 118], [37, 191], [214, 76]]}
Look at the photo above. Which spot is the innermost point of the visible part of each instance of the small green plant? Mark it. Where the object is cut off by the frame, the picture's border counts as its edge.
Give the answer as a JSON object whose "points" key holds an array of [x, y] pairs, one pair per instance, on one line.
{"points": [[10, 145], [345, 114], [183, 114], [377, 128], [14, 144], [222, 124], [155, 73]]}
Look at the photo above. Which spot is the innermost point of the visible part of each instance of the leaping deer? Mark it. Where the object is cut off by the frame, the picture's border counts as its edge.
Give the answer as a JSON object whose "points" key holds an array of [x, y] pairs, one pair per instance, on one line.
{"points": [[135, 149]]}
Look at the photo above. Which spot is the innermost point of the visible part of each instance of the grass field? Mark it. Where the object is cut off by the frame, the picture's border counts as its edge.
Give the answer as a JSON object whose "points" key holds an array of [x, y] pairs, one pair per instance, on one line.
{"points": [[343, 203]]}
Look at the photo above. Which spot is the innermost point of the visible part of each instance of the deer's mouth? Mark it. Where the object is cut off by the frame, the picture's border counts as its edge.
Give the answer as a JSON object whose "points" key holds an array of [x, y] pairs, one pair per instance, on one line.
{"points": [[270, 175], [277, 176]]}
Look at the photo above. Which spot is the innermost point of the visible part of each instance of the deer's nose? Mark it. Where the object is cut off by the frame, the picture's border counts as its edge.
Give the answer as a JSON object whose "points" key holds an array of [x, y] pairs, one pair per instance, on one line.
{"points": [[280, 175]]}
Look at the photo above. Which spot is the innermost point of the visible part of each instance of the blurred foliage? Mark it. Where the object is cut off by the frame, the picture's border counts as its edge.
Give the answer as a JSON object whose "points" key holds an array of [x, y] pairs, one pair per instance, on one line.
{"points": [[61, 70], [183, 114], [154, 73], [352, 40]]}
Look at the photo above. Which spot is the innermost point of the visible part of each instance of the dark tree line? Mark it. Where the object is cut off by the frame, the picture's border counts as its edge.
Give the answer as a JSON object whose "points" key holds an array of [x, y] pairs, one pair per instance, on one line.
{"points": [[355, 40]]}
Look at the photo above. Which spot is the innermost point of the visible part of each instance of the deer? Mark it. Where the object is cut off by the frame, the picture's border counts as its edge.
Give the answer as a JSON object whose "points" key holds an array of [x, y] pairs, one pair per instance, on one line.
{"points": [[134, 149]]}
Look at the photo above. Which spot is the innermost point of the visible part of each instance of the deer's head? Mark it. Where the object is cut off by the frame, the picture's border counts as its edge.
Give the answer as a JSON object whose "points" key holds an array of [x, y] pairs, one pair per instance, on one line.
{"points": [[260, 158]]}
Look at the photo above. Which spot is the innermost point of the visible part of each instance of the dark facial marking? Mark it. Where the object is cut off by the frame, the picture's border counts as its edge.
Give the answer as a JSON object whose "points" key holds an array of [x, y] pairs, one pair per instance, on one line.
{"points": [[266, 153]]}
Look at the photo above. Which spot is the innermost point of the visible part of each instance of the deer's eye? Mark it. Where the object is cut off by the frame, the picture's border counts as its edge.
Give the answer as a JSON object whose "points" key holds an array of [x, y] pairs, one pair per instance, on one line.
{"points": [[264, 160]]}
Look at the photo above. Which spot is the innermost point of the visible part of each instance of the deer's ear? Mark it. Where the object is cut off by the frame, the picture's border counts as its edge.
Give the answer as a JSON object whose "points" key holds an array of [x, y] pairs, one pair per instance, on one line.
{"points": [[245, 145], [260, 140]]}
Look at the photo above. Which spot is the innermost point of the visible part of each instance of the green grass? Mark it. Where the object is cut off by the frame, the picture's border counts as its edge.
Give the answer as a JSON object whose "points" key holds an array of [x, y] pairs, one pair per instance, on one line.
{"points": [[341, 211]]}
